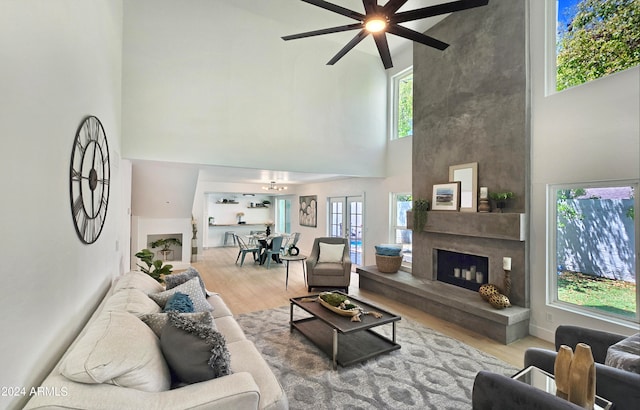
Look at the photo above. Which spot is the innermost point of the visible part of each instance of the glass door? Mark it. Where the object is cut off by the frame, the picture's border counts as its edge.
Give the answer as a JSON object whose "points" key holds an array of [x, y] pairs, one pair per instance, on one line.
{"points": [[346, 220], [283, 216]]}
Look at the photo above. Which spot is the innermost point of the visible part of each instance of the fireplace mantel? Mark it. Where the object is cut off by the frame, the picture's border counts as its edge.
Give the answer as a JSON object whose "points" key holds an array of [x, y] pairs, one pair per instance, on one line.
{"points": [[494, 225]]}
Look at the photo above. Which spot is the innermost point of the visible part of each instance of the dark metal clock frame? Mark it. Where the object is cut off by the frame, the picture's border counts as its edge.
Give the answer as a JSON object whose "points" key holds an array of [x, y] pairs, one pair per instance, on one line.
{"points": [[89, 177]]}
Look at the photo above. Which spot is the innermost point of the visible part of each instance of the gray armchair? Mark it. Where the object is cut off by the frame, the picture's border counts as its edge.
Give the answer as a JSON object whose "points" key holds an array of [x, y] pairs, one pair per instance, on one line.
{"points": [[493, 391], [335, 273]]}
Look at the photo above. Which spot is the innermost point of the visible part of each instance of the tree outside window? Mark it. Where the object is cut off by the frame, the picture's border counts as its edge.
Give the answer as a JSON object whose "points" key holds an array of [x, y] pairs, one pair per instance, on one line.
{"points": [[403, 104], [595, 38]]}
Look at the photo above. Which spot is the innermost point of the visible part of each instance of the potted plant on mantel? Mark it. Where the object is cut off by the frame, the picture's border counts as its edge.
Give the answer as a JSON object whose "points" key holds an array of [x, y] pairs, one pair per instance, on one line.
{"points": [[420, 208], [501, 199]]}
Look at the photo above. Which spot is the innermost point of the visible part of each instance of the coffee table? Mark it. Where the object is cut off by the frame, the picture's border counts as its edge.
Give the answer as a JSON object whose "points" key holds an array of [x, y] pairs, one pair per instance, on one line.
{"points": [[346, 342]]}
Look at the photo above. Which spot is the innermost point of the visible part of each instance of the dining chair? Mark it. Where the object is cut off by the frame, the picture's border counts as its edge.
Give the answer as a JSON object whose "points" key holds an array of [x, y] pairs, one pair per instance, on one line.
{"points": [[291, 241], [273, 250], [244, 249]]}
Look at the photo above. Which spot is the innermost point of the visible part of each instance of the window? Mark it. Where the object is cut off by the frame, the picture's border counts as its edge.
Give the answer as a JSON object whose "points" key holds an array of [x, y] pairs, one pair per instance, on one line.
{"points": [[595, 38], [401, 203], [402, 106], [592, 247]]}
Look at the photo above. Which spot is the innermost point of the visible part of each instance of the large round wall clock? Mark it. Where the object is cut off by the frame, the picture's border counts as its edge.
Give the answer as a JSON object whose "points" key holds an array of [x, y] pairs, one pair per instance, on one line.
{"points": [[89, 179]]}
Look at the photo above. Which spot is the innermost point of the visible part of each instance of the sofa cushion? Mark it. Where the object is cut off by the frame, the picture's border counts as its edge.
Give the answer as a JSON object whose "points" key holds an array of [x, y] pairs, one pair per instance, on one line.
{"points": [[328, 269], [157, 321], [625, 354], [131, 300], [194, 352], [191, 288], [118, 349], [330, 252], [138, 280], [230, 329], [179, 302], [177, 279], [220, 308]]}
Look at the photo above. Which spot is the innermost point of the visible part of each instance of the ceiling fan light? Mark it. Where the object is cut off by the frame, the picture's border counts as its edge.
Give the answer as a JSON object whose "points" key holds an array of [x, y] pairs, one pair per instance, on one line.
{"points": [[375, 24]]}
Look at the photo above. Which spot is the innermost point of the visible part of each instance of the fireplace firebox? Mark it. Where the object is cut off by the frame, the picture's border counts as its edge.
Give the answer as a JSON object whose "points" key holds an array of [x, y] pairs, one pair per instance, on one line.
{"points": [[461, 269]]}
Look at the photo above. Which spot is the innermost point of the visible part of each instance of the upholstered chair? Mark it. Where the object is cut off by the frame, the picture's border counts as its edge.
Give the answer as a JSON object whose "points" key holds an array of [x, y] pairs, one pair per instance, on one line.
{"points": [[329, 264], [620, 386]]}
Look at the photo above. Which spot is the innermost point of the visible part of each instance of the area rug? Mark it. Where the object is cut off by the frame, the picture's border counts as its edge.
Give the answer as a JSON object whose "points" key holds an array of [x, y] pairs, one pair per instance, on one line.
{"points": [[430, 371]]}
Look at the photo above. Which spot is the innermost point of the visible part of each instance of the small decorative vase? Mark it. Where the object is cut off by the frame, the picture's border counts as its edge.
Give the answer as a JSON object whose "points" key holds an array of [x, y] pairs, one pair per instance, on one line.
{"points": [[268, 230], [582, 377], [561, 369]]}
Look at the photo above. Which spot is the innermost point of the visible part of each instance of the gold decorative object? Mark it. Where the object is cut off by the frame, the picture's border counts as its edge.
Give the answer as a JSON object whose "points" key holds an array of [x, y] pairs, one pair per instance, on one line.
{"points": [[499, 301], [561, 369], [582, 377]]}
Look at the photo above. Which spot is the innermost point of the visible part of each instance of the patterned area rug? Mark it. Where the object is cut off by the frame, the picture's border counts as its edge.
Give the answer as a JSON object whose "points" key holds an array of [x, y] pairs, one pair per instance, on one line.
{"points": [[430, 371]]}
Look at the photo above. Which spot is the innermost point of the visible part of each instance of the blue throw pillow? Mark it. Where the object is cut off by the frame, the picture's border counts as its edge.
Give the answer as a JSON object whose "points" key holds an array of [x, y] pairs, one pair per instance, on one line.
{"points": [[179, 302]]}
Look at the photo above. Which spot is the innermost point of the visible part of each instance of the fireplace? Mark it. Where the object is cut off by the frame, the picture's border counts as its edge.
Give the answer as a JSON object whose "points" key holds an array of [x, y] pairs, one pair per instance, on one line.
{"points": [[461, 269]]}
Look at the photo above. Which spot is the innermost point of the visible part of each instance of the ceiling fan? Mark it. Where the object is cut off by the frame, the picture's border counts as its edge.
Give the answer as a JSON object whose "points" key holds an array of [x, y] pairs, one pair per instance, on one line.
{"points": [[379, 20]]}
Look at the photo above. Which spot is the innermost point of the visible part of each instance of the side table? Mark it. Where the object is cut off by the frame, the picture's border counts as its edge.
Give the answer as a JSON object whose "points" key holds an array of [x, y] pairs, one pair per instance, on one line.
{"points": [[542, 380], [287, 259]]}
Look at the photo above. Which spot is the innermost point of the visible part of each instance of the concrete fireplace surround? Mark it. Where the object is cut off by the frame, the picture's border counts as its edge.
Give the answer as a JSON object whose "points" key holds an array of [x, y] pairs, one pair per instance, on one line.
{"points": [[492, 235], [471, 104]]}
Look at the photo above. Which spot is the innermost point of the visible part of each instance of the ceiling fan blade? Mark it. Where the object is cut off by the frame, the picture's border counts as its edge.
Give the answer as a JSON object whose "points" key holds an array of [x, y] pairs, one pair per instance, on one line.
{"points": [[336, 9], [392, 6], [415, 36], [437, 10], [370, 6], [351, 44], [323, 31], [383, 49]]}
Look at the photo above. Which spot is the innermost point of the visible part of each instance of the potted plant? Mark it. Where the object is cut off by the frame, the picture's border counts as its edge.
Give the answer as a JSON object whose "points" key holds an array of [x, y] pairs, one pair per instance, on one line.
{"points": [[166, 244], [155, 268], [420, 208], [501, 199]]}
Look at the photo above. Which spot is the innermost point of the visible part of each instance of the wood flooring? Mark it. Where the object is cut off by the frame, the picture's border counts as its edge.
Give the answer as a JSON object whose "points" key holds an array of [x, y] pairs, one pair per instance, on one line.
{"points": [[252, 287]]}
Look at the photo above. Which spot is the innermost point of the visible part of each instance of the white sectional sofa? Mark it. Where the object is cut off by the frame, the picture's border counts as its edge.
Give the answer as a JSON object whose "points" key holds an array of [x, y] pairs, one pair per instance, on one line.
{"points": [[117, 362]]}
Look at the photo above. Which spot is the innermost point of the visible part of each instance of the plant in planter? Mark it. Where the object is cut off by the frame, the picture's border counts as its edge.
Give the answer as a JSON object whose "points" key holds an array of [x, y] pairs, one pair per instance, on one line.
{"points": [[166, 244], [420, 208], [501, 199], [155, 268]]}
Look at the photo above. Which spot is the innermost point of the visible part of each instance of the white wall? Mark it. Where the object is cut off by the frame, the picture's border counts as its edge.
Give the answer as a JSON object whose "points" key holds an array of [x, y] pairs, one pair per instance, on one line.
{"points": [[61, 61], [221, 78], [587, 133]]}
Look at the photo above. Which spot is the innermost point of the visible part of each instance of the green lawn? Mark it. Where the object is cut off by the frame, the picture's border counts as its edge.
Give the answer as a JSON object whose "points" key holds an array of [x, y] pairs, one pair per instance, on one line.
{"points": [[608, 295]]}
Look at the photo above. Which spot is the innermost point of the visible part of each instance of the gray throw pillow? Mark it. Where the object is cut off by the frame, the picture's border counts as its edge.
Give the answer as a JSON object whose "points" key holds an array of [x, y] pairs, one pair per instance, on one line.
{"points": [[625, 354], [177, 279], [190, 288], [157, 321], [193, 351]]}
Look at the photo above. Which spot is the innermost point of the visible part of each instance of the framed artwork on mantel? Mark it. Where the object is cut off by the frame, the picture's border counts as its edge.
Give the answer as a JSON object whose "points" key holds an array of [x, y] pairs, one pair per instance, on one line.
{"points": [[446, 197], [467, 175]]}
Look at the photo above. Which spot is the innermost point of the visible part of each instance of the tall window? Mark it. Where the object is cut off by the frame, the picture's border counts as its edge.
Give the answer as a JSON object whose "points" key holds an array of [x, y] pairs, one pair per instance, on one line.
{"points": [[595, 38], [593, 266], [402, 110], [401, 203]]}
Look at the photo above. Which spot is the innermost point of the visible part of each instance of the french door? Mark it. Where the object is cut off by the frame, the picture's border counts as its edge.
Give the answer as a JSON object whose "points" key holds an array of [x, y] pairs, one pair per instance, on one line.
{"points": [[346, 220]]}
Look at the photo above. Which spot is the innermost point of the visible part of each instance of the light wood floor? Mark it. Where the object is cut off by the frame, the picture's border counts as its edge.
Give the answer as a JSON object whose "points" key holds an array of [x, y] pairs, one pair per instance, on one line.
{"points": [[253, 287]]}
